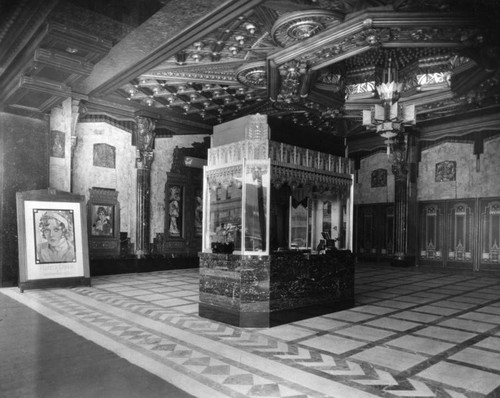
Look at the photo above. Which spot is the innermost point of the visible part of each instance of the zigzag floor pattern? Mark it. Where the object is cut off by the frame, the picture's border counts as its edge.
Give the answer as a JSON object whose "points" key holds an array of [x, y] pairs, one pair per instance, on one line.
{"points": [[411, 334]]}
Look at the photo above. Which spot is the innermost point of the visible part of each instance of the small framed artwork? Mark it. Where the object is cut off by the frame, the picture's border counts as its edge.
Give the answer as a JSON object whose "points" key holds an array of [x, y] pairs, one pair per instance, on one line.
{"points": [[53, 246], [102, 219], [103, 211]]}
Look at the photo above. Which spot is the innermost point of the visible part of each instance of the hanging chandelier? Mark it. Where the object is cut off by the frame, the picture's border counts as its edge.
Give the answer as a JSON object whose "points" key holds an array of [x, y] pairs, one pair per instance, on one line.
{"points": [[390, 116]]}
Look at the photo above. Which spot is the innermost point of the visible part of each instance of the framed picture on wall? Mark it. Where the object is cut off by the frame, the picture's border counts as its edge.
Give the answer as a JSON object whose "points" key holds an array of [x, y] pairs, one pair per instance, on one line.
{"points": [[103, 211], [53, 246], [102, 218]]}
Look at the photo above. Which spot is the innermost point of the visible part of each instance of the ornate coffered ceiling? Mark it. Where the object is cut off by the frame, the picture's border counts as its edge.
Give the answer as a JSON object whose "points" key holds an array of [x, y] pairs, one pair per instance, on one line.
{"points": [[314, 64]]}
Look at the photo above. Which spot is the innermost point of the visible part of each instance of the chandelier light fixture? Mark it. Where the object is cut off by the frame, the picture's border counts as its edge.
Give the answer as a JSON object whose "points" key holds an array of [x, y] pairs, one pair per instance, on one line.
{"points": [[389, 117]]}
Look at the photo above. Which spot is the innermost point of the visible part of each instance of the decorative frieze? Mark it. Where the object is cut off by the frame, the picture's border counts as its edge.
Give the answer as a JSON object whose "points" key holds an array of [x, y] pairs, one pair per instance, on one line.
{"points": [[224, 176]]}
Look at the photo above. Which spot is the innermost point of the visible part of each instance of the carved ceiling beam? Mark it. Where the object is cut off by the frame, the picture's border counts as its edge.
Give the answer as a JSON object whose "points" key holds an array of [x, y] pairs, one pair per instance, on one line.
{"points": [[474, 121], [106, 79], [20, 27], [368, 21]]}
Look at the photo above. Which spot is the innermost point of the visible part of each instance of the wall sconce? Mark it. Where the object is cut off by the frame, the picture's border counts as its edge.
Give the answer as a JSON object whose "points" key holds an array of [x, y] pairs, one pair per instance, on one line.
{"points": [[233, 49], [149, 102], [198, 45]]}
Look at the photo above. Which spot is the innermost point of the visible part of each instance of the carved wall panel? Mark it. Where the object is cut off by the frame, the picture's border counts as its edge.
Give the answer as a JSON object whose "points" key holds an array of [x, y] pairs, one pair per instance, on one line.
{"points": [[447, 236], [431, 233], [374, 231], [379, 178], [104, 156], [446, 171], [489, 224]]}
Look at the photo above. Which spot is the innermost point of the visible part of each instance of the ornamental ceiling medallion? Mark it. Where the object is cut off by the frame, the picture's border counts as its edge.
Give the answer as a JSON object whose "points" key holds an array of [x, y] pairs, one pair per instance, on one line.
{"points": [[253, 75], [296, 26]]}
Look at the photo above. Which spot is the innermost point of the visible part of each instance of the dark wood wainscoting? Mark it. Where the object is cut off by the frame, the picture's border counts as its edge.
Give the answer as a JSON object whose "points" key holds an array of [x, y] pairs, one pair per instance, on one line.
{"points": [[374, 231], [459, 233]]}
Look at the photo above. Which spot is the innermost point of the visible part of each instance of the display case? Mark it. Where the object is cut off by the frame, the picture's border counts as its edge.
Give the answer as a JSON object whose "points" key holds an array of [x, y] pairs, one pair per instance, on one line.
{"points": [[272, 206]]}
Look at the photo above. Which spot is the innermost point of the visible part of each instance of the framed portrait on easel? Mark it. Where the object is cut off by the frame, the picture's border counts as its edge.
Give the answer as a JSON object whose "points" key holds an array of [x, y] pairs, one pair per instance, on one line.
{"points": [[52, 239]]}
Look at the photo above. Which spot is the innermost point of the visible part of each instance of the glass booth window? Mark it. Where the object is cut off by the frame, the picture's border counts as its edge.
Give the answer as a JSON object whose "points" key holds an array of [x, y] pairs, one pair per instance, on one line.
{"points": [[299, 222], [225, 215], [257, 191]]}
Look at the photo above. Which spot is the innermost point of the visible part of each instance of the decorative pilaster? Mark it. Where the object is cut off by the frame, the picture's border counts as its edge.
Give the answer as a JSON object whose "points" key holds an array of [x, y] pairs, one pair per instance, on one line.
{"points": [[78, 109], [144, 135]]}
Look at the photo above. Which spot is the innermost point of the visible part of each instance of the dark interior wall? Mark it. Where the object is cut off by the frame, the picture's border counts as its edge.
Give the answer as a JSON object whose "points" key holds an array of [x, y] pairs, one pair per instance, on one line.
{"points": [[24, 160], [306, 137]]}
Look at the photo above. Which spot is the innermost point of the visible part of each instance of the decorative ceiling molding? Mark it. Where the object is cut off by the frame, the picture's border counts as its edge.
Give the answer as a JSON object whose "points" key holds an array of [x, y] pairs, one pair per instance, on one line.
{"points": [[296, 26], [219, 16]]}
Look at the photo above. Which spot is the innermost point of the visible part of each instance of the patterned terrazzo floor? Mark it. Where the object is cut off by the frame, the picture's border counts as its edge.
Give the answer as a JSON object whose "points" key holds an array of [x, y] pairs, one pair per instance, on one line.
{"points": [[411, 334]]}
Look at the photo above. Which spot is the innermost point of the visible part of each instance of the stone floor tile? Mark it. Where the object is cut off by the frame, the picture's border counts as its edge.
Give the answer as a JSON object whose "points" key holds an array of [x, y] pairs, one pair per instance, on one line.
{"points": [[350, 316], [490, 343], [321, 323], [392, 323], [373, 309], [288, 332], [420, 344], [334, 344], [479, 357], [447, 334], [389, 358], [416, 316], [365, 333], [396, 304], [171, 302], [436, 310], [481, 317], [474, 380], [467, 324]]}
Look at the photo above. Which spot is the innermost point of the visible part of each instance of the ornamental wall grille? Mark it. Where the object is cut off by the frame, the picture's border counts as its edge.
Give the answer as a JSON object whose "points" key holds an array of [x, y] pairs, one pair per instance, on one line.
{"points": [[292, 155], [300, 176]]}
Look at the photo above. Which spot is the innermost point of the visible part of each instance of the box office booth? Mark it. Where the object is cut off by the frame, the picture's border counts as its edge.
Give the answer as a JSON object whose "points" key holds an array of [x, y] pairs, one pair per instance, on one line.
{"points": [[277, 223]]}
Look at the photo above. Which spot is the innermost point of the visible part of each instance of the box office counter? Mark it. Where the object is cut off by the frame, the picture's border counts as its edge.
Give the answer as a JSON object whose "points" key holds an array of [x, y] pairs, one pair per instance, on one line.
{"points": [[268, 290]]}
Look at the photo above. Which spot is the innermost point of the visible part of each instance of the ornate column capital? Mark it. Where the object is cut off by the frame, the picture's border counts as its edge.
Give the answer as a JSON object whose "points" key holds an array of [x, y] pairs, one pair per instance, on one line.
{"points": [[144, 139]]}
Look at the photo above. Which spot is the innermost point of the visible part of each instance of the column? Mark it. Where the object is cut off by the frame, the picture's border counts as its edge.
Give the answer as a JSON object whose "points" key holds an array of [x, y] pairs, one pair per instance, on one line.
{"points": [[403, 160], [144, 138]]}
